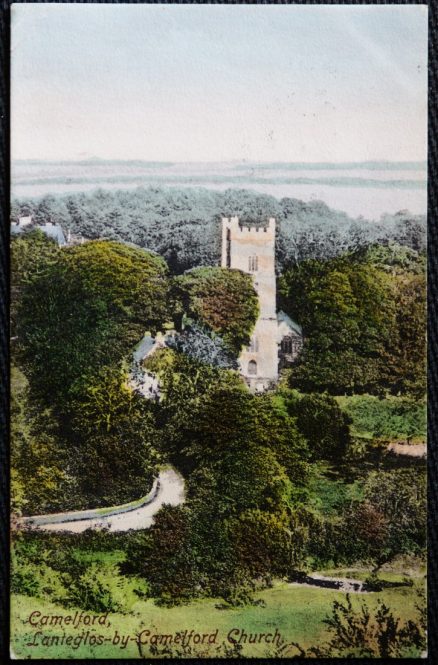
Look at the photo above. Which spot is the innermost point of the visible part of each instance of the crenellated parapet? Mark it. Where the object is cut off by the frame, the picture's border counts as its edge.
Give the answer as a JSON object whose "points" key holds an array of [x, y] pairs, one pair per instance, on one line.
{"points": [[234, 225]]}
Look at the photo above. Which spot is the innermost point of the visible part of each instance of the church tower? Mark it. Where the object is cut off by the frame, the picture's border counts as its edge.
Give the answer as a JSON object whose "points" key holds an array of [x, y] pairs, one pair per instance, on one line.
{"points": [[252, 250]]}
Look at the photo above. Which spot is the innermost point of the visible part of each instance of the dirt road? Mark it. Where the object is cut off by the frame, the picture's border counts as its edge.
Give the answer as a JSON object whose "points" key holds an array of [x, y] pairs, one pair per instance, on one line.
{"points": [[170, 491]]}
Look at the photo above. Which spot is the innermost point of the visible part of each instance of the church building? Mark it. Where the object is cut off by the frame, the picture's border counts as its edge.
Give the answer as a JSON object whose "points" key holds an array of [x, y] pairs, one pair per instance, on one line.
{"points": [[251, 249]]}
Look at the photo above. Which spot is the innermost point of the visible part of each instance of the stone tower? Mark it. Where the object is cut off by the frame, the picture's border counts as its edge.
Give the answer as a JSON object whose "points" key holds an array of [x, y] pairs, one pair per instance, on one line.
{"points": [[252, 250]]}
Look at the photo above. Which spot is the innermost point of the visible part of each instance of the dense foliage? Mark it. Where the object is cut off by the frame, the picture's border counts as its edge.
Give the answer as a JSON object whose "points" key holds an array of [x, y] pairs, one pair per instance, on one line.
{"points": [[113, 439], [245, 463], [363, 323], [183, 225], [323, 424], [222, 299], [387, 520], [40, 480], [402, 418], [83, 311], [31, 254], [391, 519], [199, 343], [78, 313]]}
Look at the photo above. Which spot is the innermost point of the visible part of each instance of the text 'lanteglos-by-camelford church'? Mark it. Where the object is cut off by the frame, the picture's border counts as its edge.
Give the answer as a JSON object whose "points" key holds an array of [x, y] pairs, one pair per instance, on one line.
{"points": [[276, 340]]}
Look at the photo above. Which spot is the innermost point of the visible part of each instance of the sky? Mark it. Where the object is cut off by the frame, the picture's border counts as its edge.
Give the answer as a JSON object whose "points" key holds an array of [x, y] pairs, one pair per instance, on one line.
{"points": [[219, 83]]}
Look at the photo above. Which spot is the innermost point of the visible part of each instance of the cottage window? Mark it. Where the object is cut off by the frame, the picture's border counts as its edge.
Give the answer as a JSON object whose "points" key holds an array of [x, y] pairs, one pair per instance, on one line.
{"points": [[286, 345], [297, 346]]}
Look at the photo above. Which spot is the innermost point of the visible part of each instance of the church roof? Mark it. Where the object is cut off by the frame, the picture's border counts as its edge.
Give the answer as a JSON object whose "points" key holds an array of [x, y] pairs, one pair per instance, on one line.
{"points": [[282, 317]]}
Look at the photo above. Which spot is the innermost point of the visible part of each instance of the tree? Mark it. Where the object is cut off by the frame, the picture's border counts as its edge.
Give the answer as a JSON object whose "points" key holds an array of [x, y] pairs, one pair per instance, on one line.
{"points": [[356, 337], [183, 225], [39, 460], [267, 544], [221, 299], [204, 346], [113, 455], [31, 253], [391, 519], [409, 347], [164, 557], [323, 424], [86, 310]]}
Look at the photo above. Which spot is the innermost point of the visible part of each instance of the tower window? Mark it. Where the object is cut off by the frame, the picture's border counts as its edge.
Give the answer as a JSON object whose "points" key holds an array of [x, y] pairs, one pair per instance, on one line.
{"points": [[252, 368], [228, 248], [253, 263], [254, 344]]}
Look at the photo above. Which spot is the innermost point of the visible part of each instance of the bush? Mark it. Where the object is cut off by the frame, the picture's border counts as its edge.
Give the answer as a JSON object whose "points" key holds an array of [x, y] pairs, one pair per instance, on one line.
{"points": [[322, 423], [75, 570], [389, 418], [203, 346], [366, 634], [390, 520], [98, 589], [30, 574]]}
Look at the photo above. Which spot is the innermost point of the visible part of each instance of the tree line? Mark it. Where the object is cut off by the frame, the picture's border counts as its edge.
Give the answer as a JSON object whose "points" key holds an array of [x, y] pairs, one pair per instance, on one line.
{"points": [[183, 225]]}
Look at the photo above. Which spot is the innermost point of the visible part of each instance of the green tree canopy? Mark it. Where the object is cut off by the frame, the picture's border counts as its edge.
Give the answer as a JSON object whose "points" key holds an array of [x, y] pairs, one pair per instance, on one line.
{"points": [[113, 442], [323, 424], [363, 323], [86, 310], [391, 519], [31, 253], [222, 299]]}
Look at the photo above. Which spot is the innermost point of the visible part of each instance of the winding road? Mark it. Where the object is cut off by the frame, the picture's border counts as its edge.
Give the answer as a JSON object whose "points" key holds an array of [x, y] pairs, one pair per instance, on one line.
{"points": [[168, 489]]}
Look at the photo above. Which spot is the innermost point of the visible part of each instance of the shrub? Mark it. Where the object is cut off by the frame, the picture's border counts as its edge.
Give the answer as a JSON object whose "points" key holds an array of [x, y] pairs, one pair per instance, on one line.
{"points": [[390, 418], [98, 589], [203, 346], [322, 423], [362, 633]]}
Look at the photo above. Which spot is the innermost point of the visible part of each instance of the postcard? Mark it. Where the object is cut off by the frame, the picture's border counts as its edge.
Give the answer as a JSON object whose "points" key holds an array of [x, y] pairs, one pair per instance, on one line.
{"points": [[218, 288]]}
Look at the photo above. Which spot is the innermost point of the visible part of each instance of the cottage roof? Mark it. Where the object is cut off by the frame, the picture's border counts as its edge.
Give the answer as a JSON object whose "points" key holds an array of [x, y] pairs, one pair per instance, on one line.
{"points": [[143, 347], [53, 231], [282, 317]]}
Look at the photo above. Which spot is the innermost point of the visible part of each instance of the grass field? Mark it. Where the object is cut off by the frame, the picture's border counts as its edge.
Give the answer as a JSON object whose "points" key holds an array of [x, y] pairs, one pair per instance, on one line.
{"points": [[296, 612], [392, 418]]}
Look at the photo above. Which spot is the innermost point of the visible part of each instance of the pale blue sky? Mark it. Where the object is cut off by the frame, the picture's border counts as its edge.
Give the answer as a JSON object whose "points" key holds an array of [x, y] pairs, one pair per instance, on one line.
{"points": [[215, 83]]}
